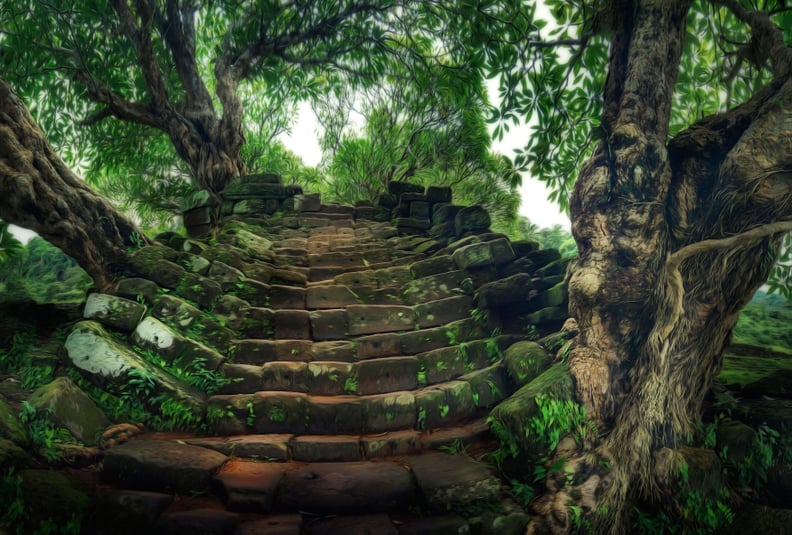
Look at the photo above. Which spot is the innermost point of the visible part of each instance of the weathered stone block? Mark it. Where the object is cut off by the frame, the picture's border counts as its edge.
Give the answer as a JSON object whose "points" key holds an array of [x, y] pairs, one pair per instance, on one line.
{"points": [[279, 412], [199, 289], [501, 250], [292, 324], [153, 334], [113, 311], [432, 266], [420, 209], [488, 386], [334, 415], [319, 448], [161, 465], [285, 375], [413, 223], [341, 351], [329, 324], [471, 219], [309, 202], [136, 288], [398, 188], [435, 194], [286, 297], [347, 488], [227, 276], [387, 374], [371, 319], [328, 378], [248, 486], [525, 361], [506, 292], [452, 481], [329, 296], [71, 409], [91, 349], [473, 256], [244, 378], [378, 345], [442, 364], [389, 412], [442, 311]]}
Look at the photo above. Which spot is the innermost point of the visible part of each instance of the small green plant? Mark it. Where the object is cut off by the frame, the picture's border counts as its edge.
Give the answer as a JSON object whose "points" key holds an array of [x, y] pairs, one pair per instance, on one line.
{"points": [[422, 381], [480, 315], [444, 410], [11, 496], [493, 349], [557, 418], [422, 418], [251, 415], [455, 447], [351, 384], [277, 414], [44, 434]]}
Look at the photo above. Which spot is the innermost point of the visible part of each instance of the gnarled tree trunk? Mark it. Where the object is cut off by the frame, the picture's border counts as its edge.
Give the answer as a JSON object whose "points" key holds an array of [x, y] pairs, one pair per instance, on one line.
{"points": [[39, 192], [674, 239]]}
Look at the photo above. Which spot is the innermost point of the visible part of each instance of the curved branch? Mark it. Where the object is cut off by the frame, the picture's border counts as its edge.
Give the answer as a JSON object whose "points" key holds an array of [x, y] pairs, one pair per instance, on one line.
{"points": [[744, 239]]}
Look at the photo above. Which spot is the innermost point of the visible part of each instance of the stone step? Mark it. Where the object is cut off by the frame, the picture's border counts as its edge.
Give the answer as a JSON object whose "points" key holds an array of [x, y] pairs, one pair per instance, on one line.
{"points": [[293, 321], [242, 495], [431, 407], [336, 448], [259, 351], [375, 376]]}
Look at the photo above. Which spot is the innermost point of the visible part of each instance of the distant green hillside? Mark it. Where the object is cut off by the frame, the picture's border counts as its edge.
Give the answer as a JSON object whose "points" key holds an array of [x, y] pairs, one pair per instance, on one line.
{"points": [[41, 273], [766, 321]]}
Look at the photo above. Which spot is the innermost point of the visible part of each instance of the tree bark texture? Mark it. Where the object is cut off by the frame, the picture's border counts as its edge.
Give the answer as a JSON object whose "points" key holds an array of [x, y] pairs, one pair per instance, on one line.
{"points": [[674, 239], [39, 192]]}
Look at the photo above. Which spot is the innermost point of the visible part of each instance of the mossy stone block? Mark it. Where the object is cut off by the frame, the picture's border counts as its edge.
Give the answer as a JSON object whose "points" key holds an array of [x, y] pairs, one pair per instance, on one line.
{"points": [[71, 409]]}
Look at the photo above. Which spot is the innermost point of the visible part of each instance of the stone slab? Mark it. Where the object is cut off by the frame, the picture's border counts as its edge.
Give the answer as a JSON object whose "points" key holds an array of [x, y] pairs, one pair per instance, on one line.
{"points": [[248, 486], [346, 488], [161, 465], [449, 481]]}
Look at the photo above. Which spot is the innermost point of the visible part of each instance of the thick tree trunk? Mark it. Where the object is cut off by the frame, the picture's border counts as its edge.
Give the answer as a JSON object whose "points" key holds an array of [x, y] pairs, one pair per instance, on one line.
{"points": [[674, 239], [39, 192]]}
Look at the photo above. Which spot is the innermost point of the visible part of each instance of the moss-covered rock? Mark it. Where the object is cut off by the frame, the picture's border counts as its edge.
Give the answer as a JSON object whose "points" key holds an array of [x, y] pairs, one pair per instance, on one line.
{"points": [[169, 344], [114, 311], [111, 364], [10, 426], [71, 409], [524, 361], [52, 496], [509, 420], [11, 456]]}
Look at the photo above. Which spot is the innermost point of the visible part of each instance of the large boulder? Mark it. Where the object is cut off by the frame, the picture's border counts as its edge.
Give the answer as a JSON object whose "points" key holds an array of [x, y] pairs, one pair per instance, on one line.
{"points": [[109, 363], [510, 420], [72, 409]]}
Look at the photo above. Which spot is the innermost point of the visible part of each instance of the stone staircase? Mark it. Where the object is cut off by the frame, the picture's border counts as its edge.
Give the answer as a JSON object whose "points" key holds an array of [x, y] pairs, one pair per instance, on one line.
{"points": [[353, 350]]}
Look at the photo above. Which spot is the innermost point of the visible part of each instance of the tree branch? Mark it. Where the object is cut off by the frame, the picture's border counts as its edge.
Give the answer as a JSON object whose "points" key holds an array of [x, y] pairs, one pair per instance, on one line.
{"points": [[744, 239], [140, 37], [768, 40], [178, 29]]}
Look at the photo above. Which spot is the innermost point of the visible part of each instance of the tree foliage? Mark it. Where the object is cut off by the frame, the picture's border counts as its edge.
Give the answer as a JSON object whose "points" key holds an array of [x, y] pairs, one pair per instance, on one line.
{"points": [[426, 125]]}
